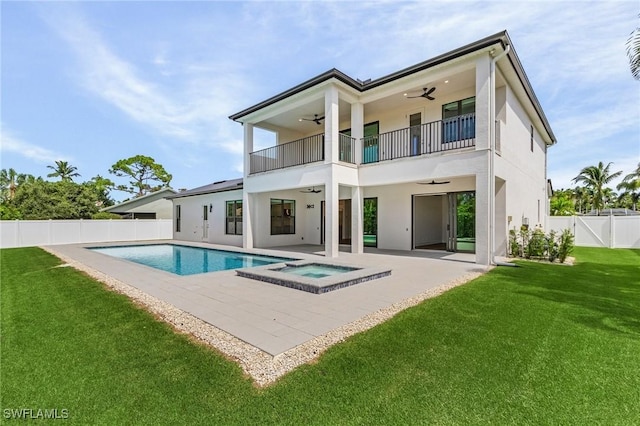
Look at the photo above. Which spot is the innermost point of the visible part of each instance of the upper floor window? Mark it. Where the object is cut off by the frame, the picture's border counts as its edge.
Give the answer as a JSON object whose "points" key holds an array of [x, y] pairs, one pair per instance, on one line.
{"points": [[458, 120], [283, 216], [234, 217]]}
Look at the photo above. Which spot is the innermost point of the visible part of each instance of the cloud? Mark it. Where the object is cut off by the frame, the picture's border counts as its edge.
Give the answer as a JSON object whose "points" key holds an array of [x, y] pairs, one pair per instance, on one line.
{"points": [[194, 112], [11, 143]]}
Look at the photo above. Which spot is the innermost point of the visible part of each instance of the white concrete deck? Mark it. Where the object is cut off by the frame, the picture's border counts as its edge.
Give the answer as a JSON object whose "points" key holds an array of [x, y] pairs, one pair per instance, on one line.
{"points": [[273, 318]]}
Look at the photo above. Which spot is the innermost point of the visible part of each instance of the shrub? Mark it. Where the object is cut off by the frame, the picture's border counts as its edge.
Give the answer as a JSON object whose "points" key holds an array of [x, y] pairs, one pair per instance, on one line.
{"points": [[105, 215], [538, 245], [566, 245]]}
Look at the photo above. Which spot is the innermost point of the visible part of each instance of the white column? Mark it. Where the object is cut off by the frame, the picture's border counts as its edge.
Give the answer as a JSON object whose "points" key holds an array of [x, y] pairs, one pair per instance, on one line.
{"points": [[247, 216], [357, 129], [331, 124], [248, 147], [485, 196], [357, 217], [331, 243], [482, 219], [483, 93]]}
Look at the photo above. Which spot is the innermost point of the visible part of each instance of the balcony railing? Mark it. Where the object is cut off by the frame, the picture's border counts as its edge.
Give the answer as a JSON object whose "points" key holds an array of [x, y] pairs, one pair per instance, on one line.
{"points": [[347, 148], [437, 136], [301, 151], [442, 135]]}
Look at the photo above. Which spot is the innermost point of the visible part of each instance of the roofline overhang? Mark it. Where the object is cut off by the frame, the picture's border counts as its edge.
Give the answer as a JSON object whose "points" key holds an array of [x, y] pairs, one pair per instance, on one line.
{"points": [[203, 192], [501, 38]]}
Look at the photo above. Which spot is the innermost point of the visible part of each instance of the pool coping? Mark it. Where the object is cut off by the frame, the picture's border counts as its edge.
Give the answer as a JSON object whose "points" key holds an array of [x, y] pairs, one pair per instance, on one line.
{"points": [[271, 274]]}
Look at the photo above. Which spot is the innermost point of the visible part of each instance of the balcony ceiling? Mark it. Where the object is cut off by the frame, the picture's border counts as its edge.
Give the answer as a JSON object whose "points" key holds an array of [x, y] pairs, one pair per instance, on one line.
{"points": [[394, 101]]}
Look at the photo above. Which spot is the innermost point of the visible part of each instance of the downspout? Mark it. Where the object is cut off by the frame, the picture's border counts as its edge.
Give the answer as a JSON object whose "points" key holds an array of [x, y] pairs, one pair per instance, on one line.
{"points": [[492, 153]]}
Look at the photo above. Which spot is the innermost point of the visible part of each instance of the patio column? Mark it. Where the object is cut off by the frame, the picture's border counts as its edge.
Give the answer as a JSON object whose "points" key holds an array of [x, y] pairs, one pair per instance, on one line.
{"points": [[357, 129], [483, 94], [248, 147], [357, 217], [482, 219], [247, 216], [331, 243], [331, 123]]}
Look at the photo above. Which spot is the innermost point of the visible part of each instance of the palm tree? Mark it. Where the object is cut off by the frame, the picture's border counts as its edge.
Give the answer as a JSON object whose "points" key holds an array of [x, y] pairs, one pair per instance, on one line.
{"points": [[63, 170], [9, 182], [633, 51], [631, 185], [595, 178], [581, 197]]}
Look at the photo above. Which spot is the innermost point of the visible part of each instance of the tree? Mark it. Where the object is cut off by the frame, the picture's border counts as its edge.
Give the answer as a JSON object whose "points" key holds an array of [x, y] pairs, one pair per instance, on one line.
{"points": [[102, 186], [594, 178], [40, 200], [141, 170], [562, 203], [8, 182], [631, 186], [63, 170], [633, 52]]}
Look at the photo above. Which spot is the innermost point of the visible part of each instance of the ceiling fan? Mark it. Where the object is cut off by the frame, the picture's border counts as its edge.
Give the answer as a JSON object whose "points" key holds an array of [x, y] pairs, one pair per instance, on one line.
{"points": [[426, 93], [433, 182], [311, 190], [315, 119]]}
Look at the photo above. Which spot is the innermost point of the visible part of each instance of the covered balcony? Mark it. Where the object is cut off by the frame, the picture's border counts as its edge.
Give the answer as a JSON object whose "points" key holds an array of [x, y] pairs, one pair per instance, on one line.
{"points": [[428, 138]]}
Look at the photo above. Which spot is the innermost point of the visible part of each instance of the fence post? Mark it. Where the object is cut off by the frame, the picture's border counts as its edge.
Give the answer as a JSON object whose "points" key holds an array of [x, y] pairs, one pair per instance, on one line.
{"points": [[611, 231]]}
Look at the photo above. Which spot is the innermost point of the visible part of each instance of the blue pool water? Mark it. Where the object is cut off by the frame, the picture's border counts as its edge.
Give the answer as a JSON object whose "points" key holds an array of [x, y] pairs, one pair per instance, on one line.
{"points": [[183, 260], [315, 270]]}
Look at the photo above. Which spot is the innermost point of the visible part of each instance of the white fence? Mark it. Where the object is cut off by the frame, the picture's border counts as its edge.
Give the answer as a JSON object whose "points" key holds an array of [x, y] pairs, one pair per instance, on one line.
{"points": [[600, 231], [26, 233]]}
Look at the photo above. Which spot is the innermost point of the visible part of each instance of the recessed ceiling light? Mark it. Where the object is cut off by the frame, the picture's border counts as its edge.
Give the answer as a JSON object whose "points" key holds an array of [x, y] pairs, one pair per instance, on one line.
{"points": [[404, 94], [446, 81]]}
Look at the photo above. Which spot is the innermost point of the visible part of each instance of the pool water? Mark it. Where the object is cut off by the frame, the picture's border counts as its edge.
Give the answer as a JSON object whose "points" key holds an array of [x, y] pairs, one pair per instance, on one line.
{"points": [[184, 260], [315, 270]]}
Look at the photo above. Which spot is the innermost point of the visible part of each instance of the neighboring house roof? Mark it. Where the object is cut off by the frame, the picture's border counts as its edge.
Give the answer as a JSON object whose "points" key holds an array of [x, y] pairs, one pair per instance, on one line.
{"points": [[135, 203], [220, 186], [501, 38]]}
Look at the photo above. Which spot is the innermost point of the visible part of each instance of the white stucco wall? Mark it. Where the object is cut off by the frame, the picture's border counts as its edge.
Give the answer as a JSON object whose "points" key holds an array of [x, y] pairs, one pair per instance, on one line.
{"points": [[191, 228], [523, 170]]}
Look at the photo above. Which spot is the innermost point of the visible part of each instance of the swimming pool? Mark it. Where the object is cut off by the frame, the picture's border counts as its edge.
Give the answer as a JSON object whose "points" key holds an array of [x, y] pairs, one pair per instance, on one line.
{"points": [[184, 260]]}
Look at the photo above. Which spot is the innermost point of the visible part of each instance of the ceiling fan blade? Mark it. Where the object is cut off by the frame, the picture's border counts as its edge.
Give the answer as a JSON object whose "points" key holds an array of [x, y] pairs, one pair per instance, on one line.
{"points": [[431, 98], [433, 89], [411, 97], [433, 182]]}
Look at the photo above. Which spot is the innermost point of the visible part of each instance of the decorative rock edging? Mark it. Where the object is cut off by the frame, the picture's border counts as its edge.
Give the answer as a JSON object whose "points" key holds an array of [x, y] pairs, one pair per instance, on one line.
{"points": [[263, 368]]}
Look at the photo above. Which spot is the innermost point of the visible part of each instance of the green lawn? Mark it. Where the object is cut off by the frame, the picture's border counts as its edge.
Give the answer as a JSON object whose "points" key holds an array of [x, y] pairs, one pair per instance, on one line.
{"points": [[539, 344]]}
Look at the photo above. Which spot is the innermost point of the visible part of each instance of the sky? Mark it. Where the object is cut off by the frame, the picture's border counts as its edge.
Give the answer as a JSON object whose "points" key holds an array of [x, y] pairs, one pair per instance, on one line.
{"points": [[95, 82]]}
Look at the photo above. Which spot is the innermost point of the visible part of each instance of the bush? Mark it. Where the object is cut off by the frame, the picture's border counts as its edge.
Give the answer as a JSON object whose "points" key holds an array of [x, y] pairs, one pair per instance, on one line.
{"points": [[105, 215], [566, 245], [538, 245]]}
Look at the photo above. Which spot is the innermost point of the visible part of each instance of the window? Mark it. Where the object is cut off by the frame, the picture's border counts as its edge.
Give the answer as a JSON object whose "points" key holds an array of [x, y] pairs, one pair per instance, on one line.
{"points": [[283, 217], [178, 218], [458, 120], [532, 138], [234, 217]]}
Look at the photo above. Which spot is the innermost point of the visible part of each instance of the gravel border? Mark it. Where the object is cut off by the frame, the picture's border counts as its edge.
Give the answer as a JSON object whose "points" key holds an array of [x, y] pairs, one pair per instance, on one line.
{"points": [[263, 368]]}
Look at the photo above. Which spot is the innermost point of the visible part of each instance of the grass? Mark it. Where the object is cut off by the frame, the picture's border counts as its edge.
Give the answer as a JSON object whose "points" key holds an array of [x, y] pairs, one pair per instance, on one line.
{"points": [[538, 344]]}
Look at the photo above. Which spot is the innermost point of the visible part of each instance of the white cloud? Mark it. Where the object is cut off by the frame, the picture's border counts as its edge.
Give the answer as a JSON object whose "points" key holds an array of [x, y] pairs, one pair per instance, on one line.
{"points": [[11, 143]]}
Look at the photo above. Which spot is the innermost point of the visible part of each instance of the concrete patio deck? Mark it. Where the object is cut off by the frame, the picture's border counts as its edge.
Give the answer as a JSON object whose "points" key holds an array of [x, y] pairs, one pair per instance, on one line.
{"points": [[273, 318]]}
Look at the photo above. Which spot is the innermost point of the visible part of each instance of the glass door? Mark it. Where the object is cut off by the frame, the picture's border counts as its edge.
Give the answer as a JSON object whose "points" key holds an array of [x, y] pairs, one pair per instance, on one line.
{"points": [[461, 229], [205, 222], [370, 222], [415, 140]]}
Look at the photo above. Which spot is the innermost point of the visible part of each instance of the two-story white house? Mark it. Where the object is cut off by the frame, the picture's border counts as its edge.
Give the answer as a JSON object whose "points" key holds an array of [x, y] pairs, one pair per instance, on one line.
{"points": [[447, 154]]}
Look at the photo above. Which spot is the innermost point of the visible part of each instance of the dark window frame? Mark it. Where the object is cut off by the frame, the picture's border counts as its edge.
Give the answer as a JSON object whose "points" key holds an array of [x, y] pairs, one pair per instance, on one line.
{"points": [[237, 219], [460, 126], [178, 217], [290, 214]]}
